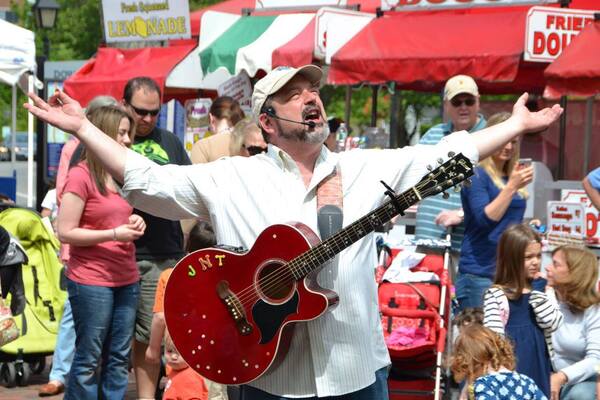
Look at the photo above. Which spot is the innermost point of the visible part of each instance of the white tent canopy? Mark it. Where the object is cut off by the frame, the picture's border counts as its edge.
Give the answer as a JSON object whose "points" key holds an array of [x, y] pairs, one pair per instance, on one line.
{"points": [[17, 52], [17, 61]]}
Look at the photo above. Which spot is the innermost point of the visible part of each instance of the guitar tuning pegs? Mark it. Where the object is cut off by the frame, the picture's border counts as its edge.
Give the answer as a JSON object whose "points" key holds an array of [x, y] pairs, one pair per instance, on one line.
{"points": [[456, 189], [429, 168], [467, 183], [445, 195], [440, 161], [451, 154]]}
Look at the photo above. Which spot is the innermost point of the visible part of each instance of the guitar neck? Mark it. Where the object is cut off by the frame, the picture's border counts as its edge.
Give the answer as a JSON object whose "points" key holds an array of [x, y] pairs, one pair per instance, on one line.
{"points": [[326, 250]]}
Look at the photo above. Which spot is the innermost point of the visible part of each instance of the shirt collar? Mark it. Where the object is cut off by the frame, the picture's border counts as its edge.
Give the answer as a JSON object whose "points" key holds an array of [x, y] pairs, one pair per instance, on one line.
{"points": [[326, 162]]}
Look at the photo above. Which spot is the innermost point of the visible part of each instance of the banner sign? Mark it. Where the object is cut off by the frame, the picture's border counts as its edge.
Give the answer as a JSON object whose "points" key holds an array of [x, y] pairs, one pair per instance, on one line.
{"points": [[130, 21], [592, 215], [239, 88], [549, 30], [437, 4], [197, 125], [566, 223]]}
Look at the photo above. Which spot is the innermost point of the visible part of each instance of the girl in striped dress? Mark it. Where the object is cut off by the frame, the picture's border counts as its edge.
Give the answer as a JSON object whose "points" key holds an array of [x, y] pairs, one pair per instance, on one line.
{"points": [[516, 305]]}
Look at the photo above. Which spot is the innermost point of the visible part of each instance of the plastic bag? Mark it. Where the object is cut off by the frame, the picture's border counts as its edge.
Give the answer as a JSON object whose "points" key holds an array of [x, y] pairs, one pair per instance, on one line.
{"points": [[8, 325]]}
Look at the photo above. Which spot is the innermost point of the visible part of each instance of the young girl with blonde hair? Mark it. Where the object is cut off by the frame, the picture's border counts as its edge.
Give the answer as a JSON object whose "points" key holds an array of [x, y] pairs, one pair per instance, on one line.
{"points": [[485, 360]]}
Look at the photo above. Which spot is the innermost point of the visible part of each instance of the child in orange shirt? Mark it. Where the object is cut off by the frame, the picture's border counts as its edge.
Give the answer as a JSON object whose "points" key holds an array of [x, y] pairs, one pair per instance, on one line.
{"points": [[184, 383], [201, 236]]}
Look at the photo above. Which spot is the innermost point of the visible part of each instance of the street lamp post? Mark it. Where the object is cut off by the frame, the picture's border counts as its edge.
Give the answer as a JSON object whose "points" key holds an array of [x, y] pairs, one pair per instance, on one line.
{"points": [[45, 12]]}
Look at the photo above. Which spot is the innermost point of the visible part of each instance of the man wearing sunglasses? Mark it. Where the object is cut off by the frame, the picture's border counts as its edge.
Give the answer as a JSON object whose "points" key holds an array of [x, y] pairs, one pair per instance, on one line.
{"points": [[162, 244], [436, 214]]}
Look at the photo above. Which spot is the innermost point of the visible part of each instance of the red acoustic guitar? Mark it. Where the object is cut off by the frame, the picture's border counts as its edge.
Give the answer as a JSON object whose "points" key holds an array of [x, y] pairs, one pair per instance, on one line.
{"points": [[231, 315]]}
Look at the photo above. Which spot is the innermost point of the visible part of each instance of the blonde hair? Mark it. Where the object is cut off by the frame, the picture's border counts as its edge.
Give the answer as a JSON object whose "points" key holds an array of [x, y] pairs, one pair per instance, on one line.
{"points": [[107, 119], [478, 348], [238, 134], [488, 163], [579, 292]]}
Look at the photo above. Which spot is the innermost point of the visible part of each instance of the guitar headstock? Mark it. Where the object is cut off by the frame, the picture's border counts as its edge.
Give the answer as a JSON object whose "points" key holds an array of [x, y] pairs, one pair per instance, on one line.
{"points": [[452, 172]]}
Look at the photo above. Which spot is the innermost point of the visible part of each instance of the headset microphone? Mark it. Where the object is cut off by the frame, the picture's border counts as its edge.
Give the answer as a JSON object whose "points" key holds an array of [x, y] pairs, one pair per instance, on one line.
{"points": [[270, 111]]}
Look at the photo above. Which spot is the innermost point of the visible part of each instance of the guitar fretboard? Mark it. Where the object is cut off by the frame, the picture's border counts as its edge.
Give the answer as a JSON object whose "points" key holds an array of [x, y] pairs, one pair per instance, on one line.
{"points": [[326, 250]]}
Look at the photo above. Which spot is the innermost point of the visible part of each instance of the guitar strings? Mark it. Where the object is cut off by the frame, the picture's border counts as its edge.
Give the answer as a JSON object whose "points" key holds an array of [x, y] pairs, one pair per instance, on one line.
{"points": [[271, 281]]}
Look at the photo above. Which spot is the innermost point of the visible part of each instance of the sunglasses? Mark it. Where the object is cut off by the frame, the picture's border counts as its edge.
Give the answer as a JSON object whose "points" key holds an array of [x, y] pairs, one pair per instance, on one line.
{"points": [[254, 150], [469, 101], [142, 112]]}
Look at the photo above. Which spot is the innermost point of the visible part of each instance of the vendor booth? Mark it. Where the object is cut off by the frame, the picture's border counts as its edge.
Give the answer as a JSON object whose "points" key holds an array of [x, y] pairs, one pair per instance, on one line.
{"points": [[109, 71], [230, 43], [400, 47], [576, 71]]}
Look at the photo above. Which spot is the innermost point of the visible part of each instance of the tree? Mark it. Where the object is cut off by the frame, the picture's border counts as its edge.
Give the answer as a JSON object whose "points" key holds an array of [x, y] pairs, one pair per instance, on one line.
{"points": [[334, 99]]}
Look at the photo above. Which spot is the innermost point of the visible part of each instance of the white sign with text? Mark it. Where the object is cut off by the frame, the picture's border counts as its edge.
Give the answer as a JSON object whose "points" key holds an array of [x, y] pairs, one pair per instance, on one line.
{"points": [[592, 215], [131, 21], [566, 223], [549, 31], [239, 88]]}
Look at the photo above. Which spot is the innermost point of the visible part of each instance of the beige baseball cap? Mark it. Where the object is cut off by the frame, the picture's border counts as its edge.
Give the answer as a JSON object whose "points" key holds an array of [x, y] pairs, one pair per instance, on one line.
{"points": [[460, 84], [276, 79]]}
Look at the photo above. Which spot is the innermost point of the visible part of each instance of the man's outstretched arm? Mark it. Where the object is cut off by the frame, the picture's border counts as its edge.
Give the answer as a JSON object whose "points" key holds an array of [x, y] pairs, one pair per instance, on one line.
{"points": [[493, 138], [66, 114]]}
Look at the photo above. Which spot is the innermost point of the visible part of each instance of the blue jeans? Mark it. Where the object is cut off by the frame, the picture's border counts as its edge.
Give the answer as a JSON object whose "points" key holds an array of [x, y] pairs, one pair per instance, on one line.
{"points": [[470, 290], [104, 318], [65, 346], [585, 390], [376, 391]]}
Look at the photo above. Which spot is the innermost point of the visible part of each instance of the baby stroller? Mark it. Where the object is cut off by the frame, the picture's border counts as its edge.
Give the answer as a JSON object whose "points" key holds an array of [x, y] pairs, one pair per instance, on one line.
{"points": [[415, 311], [38, 316]]}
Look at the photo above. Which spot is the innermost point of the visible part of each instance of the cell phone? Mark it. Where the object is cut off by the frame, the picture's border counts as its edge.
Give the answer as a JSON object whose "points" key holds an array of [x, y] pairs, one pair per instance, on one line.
{"points": [[525, 162]]}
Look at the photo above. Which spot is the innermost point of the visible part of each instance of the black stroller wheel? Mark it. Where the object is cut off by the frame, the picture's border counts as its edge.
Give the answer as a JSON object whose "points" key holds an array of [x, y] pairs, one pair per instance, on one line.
{"points": [[38, 365], [23, 374], [8, 374]]}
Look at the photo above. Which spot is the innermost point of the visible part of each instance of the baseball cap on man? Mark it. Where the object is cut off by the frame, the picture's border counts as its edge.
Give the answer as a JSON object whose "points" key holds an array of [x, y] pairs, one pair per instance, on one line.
{"points": [[460, 84], [276, 79]]}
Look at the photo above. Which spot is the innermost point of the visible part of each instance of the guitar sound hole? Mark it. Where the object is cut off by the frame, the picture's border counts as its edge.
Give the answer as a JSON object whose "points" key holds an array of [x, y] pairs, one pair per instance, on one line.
{"points": [[275, 281]]}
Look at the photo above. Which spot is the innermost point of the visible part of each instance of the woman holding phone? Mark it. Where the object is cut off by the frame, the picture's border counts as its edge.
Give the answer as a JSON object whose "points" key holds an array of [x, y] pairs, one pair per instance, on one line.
{"points": [[495, 200]]}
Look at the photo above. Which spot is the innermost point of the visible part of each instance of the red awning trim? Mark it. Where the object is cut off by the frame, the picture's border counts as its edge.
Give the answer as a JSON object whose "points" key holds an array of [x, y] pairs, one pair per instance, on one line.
{"points": [[109, 71], [577, 70]]}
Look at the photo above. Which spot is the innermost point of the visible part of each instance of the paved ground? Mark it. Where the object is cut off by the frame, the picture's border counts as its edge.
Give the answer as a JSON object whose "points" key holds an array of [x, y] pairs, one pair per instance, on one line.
{"points": [[31, 390]]}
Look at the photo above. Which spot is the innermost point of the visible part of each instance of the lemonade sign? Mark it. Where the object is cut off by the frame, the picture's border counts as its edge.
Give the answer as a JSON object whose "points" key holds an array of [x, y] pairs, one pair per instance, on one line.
{"points": [[128, 21]]}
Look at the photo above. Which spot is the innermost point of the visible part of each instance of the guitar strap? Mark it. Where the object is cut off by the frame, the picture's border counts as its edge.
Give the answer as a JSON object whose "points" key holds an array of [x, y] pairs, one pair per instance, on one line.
{"points": [[330, 204]]}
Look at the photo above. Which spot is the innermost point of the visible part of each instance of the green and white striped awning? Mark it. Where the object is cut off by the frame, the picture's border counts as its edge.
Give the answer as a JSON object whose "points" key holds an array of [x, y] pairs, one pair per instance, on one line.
{"points": [[231, 43]]}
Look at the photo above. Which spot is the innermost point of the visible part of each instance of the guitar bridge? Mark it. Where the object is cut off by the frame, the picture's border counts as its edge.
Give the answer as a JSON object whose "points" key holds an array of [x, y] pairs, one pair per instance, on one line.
{"points": [[235, 308]]}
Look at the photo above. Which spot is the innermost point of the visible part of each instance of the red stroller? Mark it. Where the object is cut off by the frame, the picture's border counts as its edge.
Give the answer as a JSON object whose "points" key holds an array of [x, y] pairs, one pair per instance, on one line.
{"points": [[415, 319]]}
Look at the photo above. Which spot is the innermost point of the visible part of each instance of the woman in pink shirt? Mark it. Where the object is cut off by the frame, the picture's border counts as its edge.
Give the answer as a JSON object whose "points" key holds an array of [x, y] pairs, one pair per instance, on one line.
{"points": [[102, 276]]}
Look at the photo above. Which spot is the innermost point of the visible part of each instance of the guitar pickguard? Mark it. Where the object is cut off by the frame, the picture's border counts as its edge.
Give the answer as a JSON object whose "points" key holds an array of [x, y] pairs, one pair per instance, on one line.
{"points": [[269, 317]]}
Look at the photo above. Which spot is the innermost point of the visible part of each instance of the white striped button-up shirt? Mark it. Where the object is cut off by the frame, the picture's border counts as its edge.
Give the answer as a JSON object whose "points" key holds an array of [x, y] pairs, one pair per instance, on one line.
{"points": [[339, 352]]}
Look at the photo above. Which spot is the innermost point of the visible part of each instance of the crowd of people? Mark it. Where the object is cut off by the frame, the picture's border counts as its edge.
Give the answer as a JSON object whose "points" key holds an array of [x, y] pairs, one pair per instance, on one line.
{"points": [[131, 203]]}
